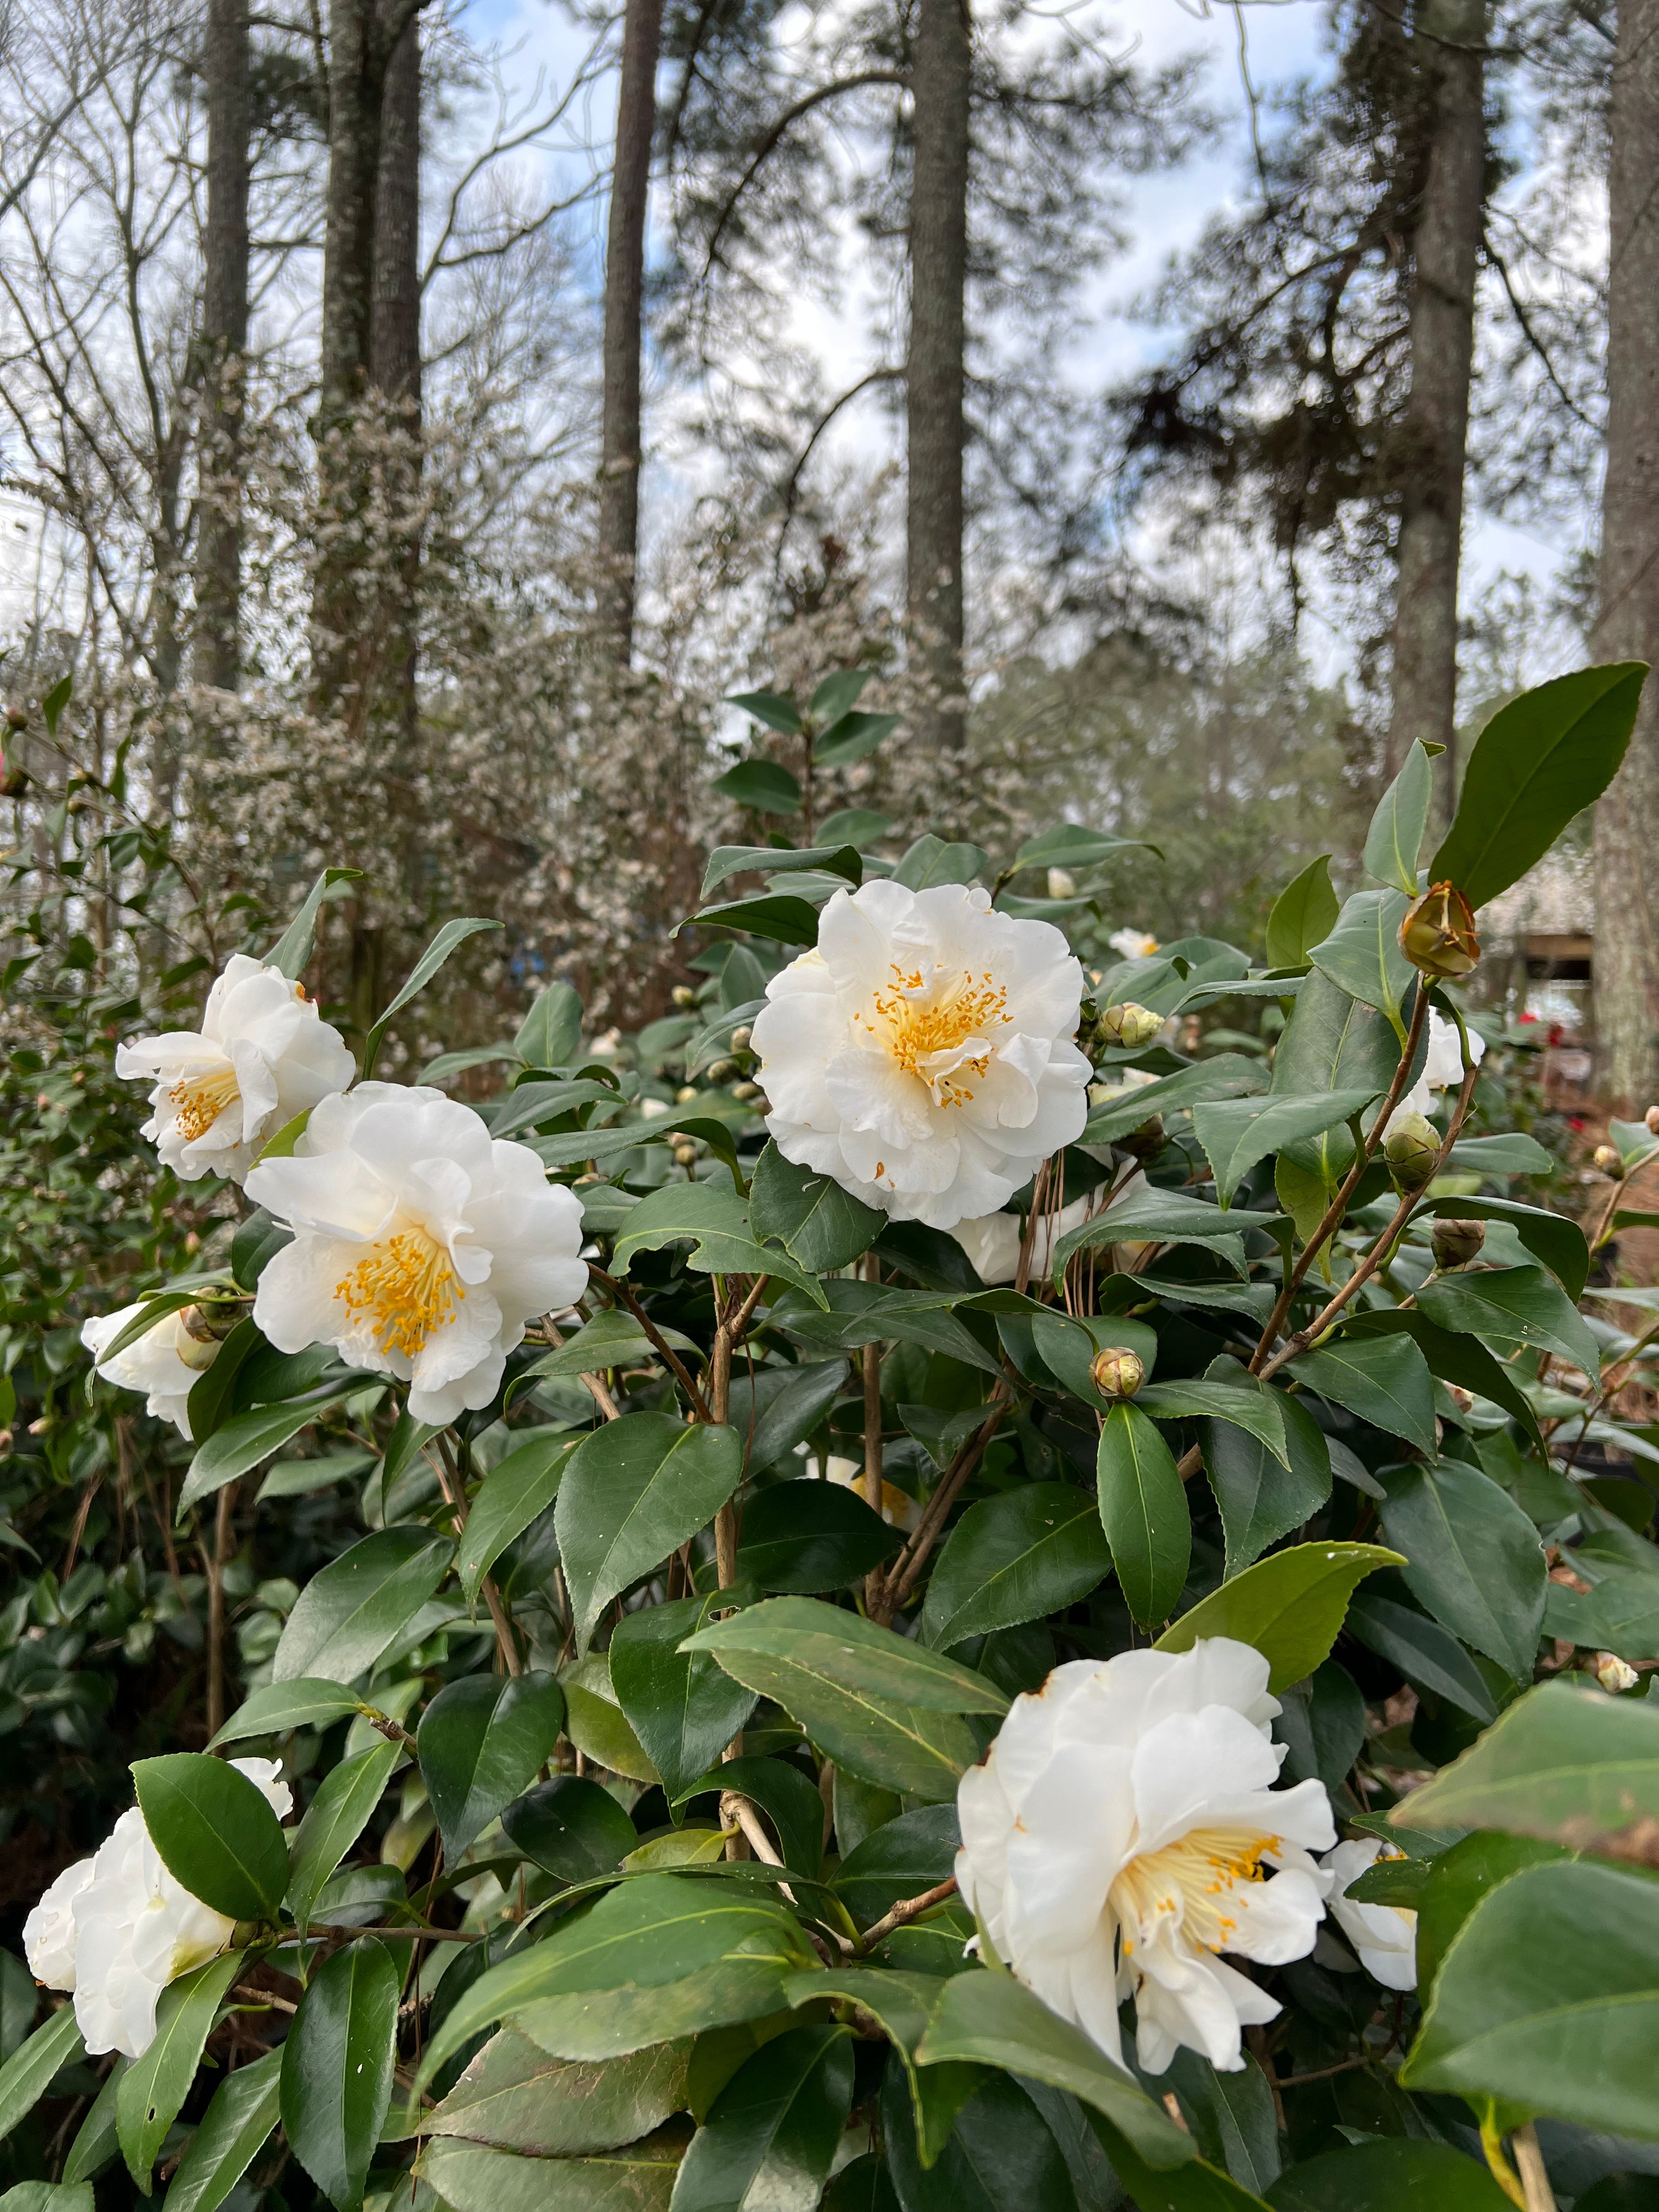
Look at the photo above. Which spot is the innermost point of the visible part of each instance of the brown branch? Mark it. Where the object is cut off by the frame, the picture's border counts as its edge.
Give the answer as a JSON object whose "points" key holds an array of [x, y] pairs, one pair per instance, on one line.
{"points": [[769, 143], [660, 1345], [906, 1569], [908, 1909], [449, 1482]]}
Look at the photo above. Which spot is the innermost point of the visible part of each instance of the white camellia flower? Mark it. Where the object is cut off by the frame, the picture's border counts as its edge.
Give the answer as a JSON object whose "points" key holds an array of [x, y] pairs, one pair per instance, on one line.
{"points": [[921, 1054], [262, 1055], [1442, 1067], [992, 1242], [117, 1927], [421, 1246], [1384, 1936], [1133, 943], [165, 1362], [1116, 1842]]}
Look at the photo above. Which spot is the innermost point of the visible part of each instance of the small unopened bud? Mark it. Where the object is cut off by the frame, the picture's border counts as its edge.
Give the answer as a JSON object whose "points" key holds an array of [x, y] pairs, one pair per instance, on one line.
{"points": [[1062, 884], [198, 1347], [17, 719], [1606, 1157], [721, 1071], [1462, 1399], [1651, 1120], [686, 1093], [1145, 1143], [745, 1090], [1613, 1674], [1128, 1025], [1455, 1243], [1410, 1148], [685, 1153], [683, 996], [1117, 1374], [740, 1037], [1438, 934]]}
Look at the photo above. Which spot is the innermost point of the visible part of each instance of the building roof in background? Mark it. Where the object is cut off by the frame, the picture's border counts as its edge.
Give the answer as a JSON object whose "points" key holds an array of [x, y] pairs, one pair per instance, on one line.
{"points": [[1555, 899]]}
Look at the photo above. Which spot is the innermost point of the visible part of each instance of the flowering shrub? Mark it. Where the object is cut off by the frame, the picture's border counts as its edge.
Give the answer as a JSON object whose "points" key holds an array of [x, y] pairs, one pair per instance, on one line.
{"points": [[956, 1598]]}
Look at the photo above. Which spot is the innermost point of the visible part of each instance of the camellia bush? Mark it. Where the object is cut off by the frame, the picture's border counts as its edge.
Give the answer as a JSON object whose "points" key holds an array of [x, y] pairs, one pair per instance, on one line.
{"points": [[941, 1601]]}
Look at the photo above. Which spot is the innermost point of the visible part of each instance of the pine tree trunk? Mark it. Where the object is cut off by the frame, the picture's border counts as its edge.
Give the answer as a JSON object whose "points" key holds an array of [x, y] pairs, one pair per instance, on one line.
{"points": [[939, 270], [1627, 817], [224, 346], [394, 366], [1446, 247], [625, 295]]}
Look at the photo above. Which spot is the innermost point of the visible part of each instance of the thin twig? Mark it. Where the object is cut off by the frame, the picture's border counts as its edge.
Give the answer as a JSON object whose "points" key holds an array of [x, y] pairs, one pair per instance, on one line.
{"points": [[449, 1482], [660, 1345], [906, 1569], [908, 1909]]}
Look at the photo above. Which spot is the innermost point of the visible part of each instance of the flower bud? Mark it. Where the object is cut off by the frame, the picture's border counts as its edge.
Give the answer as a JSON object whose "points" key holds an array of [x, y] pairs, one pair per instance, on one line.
{"points": [[1410, 1148], [685, 1153], [686, 1093], [745, 1090], [740, 1037], [1062, 884], [1128, 1025], [1613, 1674], [1438, 934], [1117, 1374], [1455, 1243], [683, 996], [1606, 1157], [17, 719], [721, 1071]]}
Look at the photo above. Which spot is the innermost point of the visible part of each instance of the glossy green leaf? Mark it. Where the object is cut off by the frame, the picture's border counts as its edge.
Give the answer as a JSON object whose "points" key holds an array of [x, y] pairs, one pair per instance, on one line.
{"points": [[280, 1706], [714, 1220], [1223, 1075], [97, 2141], [351, 1610], [483, 1741], [1472, 1558], [634, 1491], [453, 934], [771, 2133], [1362, 955], [517, 1490], [337, 2069], [215, 1832], [1303, 915], [1068, 1345], [1459, 1879], [248, 1439], [28, 2073], [1384, 1379], [1012, 1559], [1332, 1041], [571, 1826], [1520, 1306], [1232, 2117], [789, 1799], [1073, 845], [1322, 1723], [1399, 2174], [1225, 1394], [1395, 836], [1143, 1511], [346, 1798], [1555, 1240], [804, 1536], [778, 1408], [851, 736], [1290, 1605], [778, 917], [1620, 1614], [595, 1723], [1261, 1499], [902, 1859], [1548, 2000], [1237, 1133], [771, 708], [48, 2196], [233, 2131], [931, 860], [1540, 761], [636, 2177], [292, 951], [1428, 1655], [683, 1706], [154, 2087], [515, 2097], [996, 2155], [551, 1034], [817, 1222], [1464, 1360], [728, 860], [765, 785]]}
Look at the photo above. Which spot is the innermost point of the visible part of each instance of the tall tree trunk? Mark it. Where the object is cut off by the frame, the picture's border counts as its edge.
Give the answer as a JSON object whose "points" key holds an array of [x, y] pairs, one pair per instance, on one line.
{"points": [[224, 346], [624, 293], [1450, 36], [1627, 817], [938, 270], [394, 366]]}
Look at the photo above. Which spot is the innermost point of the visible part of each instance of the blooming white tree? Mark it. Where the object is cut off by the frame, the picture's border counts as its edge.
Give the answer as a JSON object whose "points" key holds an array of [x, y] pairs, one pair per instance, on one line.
{"points": [[922, 1054], [263, 1055], [115, 1929], [1118, 1839], [421, 1246], [165, 1362], [1383, 1937]]}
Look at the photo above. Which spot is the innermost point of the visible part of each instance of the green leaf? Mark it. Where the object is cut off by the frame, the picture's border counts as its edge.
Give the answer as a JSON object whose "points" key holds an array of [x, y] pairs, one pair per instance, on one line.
{"points": [[513, 2096], [931, 860], [29, 2072], [804, 1536], [1463, 1360], [215, 1832], [154, 2087], [292, 950], [1620, 1614], [571, 1828], [991, 2020], [1428, 1655], [1385, 2176], [1068, 1345], [1564, 1764], [336, 1817], [48, 2196], [993, 2150], [1012, 1559], [477, 1055], [1576, 2039], [517, 1491], [1223, 1075], [1232, 2117], [1555, 1240], [54, 701], [876, 1703], [1458, 1879], [1472, 1558], [248, 1439], [714, 1221], [1142, 1510], [778, 917], [1261, 1499], [257, 1242], [817, 1223], [337, 2069], [1384, 1379], [850, 737], [1303, 915], [596, 1724], [1157, 1216], [790, 1800], [634, 1491], [770, 707], [1513, 1306], [901, 1858], [1073, 846], [351, 1610], [1237, 1133], [551, 1034], [635, 2177], [763, 786], [838, 693], [97, 2142], [771, 2134], [1226, 1393], [1323, 1724], [612, 1338], [683, 1706], [451, 934], [1540, 761], [1395, 836], [1362, 955], [233, 2131], [1332, 1042], [728, 860], [1290, 1604], [281, 1706], [1513, 1153], [483, 1741]]}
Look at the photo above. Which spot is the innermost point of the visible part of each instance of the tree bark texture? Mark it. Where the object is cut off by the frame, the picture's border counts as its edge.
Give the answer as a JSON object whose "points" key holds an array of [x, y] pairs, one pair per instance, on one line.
{"points": [[1627, 816], [1450, 35], [224, 347], [394, 367], [935, 430], [624, 297]]}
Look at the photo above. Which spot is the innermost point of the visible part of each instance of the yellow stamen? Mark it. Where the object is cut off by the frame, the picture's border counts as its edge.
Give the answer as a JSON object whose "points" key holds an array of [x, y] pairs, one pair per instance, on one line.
{"points": [[1195, 1876], [406, 1290], [916, 1018], [201, 1099]]}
